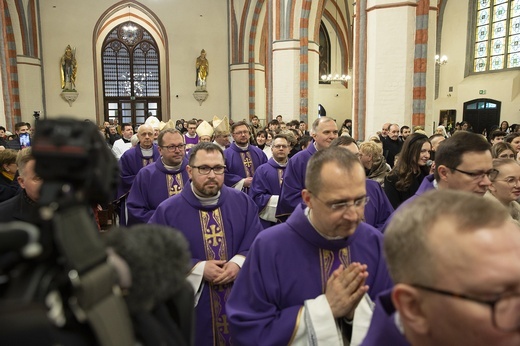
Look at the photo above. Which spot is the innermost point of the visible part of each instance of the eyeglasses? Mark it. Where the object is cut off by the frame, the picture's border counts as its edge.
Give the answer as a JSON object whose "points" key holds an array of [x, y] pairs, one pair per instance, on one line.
{"points": [[240, 133], [280, 146], [204, 170], [342, 206], [172, 148], [505, 310], [491, 174], [511, 182]]}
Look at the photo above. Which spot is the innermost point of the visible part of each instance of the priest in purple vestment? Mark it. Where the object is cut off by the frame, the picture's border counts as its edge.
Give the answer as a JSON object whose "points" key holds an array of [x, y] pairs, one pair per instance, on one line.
{"points": [[455, 260], [131, 162], [242, 159], [267, 181], [324, 131], [303, 279], [191, 138], [220, 224], [161, 180]]}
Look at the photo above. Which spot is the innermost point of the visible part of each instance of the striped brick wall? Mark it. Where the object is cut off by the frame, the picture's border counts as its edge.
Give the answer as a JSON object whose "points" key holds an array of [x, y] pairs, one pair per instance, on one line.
{"points": [[9, 68], [304, 60], [420, 62]]}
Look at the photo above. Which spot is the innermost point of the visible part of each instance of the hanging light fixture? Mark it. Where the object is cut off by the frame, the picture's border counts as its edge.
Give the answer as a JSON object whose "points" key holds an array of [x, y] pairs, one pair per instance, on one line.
{"points": [[441, 60], [336, 77]]}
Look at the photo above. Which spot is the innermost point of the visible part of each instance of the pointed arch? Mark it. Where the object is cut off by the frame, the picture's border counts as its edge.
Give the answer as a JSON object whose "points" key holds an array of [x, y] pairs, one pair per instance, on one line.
{"points": [[136, 12], [254, 51]]}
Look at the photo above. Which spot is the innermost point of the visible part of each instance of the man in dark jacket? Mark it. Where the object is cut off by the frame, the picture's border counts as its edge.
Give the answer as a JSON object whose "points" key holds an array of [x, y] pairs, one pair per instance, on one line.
{"points": [[23, 207]]}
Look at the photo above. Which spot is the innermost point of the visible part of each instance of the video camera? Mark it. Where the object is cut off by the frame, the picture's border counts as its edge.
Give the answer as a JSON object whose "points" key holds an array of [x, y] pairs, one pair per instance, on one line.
{"points": [[59, 271]]}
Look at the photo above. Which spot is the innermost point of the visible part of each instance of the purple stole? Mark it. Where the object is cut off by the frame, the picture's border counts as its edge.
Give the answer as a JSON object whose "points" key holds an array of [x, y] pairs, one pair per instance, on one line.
{"points": [[174, 183], [280, 175], [330, 261], [249, 168], [147, 160], [191, 142], [215, 247]]}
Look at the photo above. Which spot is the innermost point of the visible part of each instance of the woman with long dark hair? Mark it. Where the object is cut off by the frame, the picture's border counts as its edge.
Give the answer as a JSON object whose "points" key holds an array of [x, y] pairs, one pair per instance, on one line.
{"points": [[504, 126], [409, 171]]}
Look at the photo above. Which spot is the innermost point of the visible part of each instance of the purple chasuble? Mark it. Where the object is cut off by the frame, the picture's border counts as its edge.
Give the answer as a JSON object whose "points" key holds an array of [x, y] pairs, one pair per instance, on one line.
{"points": [[383, 330], [130, 163], [288, 264], [152, 185], [241, 163], [267, 182], [220, 231], [190, 142], [378, 208], [294, 182]]}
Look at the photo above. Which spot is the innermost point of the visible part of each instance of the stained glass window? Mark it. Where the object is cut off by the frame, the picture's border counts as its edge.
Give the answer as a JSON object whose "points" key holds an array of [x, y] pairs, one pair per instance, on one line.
{"points": [[130, 60], [497, 35]]}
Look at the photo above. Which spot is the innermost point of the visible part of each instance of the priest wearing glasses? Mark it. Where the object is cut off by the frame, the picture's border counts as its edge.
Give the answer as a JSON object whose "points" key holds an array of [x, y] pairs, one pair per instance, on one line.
{"points": [[220, 224]]}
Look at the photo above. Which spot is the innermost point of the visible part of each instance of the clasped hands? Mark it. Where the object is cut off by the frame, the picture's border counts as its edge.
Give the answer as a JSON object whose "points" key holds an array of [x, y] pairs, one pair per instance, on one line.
{"points": [[345, 288], [220, 272]]}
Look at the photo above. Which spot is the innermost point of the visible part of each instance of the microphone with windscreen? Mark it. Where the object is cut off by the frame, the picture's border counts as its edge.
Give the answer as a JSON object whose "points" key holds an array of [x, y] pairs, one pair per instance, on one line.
{"points": [[153, 262]]}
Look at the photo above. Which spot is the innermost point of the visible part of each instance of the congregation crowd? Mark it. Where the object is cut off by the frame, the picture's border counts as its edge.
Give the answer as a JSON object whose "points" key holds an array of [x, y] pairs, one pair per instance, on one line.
{"points": [[304, 235]]}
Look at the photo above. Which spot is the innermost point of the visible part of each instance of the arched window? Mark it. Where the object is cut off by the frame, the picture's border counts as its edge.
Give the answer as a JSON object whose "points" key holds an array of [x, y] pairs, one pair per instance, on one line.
{"points": [[324, 53], [497, 35], [131, 84]]}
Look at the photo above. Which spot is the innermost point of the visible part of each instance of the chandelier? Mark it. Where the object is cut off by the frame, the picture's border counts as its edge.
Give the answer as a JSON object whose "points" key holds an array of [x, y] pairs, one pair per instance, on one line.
{"points": [[441, 60], [336, 77]]}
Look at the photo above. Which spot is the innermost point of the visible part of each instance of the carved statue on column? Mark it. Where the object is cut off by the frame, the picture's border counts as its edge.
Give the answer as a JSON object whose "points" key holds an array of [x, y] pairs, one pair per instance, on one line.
{"points": [[68, 69], [202, 67]]}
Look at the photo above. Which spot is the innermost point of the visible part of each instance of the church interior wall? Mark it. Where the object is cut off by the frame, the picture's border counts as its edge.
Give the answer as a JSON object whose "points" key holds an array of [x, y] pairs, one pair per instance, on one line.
{"points": [[501, 86], [286, 81], [192, 26], [390, 60]]}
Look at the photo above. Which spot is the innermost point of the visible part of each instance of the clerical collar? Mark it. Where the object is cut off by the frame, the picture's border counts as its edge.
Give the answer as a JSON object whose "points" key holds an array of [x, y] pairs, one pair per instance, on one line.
{"points": [[188, 135], [245, 148], [147, 152], [223, 147], [171, 168], [315, 146], [282, 164], [205, 201], [307, 213], [126, 140]]}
